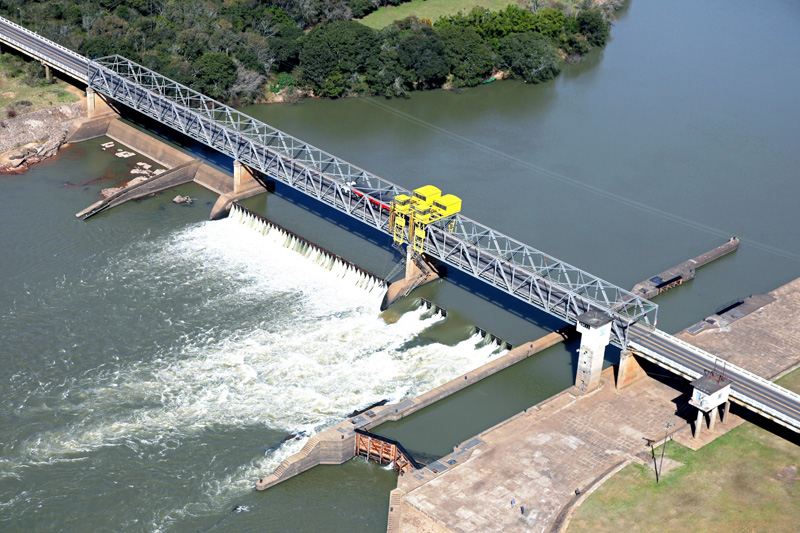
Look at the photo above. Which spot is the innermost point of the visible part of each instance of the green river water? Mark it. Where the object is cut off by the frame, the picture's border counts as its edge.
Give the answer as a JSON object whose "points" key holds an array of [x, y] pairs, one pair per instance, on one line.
{"points": [[153, 362]]}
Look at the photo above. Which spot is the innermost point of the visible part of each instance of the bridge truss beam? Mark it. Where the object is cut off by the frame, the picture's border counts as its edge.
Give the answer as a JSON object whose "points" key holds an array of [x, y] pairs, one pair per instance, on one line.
{"points": [[521, 270]]}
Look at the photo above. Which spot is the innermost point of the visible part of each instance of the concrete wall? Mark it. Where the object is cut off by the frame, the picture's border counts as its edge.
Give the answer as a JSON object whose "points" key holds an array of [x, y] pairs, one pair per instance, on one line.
{"points": [[337, 444], [89, 129], [391, 413], [333, 446], [146, 145]]}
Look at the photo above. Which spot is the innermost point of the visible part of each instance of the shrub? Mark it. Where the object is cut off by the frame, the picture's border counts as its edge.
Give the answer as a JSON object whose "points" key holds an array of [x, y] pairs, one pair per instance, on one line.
{"points": [[11, 113]]}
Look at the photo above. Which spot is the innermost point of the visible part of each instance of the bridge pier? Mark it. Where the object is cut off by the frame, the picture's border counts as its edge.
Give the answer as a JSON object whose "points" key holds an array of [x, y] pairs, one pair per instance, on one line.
{"points": [[595, 329], [243, 177], [419, 271], [96, 104], [629, 370]]}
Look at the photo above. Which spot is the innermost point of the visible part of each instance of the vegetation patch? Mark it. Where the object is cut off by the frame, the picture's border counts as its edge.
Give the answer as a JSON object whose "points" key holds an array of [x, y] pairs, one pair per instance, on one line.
{"points": [[430, 10], [24, 89], [245, 51], [745, 480]]}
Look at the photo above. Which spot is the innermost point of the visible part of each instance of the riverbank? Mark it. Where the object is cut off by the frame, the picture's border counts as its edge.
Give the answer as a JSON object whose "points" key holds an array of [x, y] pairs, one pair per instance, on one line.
{"points": [[34, 137]]}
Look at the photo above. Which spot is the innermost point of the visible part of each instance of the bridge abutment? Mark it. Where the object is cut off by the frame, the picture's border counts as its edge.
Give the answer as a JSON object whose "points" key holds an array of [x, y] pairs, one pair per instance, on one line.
{"points": [[595, 330]]}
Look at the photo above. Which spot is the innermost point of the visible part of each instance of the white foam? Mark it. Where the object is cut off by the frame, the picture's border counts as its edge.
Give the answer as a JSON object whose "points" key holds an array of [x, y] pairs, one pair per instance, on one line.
{"points": [[324, 352]]}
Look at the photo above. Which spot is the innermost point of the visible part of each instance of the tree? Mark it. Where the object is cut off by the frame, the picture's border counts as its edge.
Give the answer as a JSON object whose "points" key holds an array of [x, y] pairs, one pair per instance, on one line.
{"points": [[530, 56], [215, 73], [422, 53], [549, 22], [592, 25], [469, 58], [334, 54]]}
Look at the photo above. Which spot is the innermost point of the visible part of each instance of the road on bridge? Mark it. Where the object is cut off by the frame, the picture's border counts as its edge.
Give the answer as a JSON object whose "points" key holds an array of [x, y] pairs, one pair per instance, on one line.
{"points": [[55, 55]]}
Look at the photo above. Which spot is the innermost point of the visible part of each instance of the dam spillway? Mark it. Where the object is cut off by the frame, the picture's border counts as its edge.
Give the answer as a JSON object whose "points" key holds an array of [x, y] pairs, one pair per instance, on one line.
{"points": [[340, 267]]}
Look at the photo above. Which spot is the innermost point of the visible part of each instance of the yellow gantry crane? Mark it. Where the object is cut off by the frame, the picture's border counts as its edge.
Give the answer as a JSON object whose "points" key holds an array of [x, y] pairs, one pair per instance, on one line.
{"points": [[427, 205]]}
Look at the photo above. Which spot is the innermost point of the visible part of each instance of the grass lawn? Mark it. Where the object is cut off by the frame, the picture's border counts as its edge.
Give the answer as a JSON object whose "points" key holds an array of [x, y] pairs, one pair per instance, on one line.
{"points": [[13, 90], [428, 9], [745, 480]]}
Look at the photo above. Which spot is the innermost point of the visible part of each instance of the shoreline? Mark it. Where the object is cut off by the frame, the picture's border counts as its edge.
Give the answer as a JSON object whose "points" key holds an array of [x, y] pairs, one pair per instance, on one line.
{"points": [[31, 138]]}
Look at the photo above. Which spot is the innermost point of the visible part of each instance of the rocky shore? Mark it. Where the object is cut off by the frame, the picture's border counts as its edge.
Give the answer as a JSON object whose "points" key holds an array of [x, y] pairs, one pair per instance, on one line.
{"points": [[30, 138]]}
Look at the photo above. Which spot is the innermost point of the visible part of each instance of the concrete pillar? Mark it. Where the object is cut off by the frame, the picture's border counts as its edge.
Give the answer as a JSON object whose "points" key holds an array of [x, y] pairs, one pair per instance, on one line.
{"points": [[629, 370], [47, 72], [412, 270], [724, 415], [414, 278], [91, 102], [242, 177], [595, 330], [712, 419], [698, 424]]}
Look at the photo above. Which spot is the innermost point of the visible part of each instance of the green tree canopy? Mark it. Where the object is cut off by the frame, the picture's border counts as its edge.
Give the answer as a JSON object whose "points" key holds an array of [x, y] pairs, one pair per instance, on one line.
{"points": [[592, 25], [423, 55], [470, 59], [530, 56], [334, 54], [216, 72]]}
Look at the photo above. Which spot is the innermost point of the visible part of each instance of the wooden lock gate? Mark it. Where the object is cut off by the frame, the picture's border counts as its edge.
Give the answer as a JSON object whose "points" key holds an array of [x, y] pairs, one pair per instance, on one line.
{"points": [[384, 451]]}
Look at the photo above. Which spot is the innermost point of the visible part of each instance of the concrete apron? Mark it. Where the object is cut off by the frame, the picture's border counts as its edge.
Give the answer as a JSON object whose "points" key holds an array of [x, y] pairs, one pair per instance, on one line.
{"points": [[111, 126]]}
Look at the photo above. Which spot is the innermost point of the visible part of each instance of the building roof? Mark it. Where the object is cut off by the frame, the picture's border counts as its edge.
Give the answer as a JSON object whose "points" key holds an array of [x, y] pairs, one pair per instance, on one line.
{"points": [[711, 383], [594, 318]]}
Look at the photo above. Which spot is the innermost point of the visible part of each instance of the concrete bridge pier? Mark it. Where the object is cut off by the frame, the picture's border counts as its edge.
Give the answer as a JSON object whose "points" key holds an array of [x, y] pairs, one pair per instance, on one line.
{"points": [[629, 370], [96, 105], [419, 271], [595, 329], [243, 178]]}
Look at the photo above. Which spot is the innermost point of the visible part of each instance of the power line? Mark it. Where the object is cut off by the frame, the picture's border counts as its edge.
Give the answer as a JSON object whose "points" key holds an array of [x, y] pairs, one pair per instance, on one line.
{"points": [[557, 176]]}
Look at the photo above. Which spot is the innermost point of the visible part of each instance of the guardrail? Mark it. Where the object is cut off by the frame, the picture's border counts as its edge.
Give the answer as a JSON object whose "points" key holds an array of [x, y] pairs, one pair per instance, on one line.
{"points": [[82, 76], [736, 394]]}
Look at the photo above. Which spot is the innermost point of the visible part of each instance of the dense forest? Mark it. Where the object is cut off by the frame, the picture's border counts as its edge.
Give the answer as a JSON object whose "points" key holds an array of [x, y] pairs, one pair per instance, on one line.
{"points": [[237, 50]]}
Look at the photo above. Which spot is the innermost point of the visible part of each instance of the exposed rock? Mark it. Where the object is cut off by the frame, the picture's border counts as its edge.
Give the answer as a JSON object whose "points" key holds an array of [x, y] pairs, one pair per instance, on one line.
{"points": [[110, 191], [185, 200], [49, 124]]}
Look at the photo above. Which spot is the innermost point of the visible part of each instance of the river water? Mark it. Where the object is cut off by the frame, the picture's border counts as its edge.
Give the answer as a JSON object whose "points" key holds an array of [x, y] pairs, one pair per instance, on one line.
{"points": [[153, 363]]}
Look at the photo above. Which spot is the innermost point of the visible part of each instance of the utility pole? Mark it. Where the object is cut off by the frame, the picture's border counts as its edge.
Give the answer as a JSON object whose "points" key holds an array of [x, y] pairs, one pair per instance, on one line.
{"points": [[650, 443], [667, 425]]}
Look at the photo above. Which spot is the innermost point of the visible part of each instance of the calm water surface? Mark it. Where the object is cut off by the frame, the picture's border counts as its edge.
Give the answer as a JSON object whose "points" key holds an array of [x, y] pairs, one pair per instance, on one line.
{"points": [[153, 363]]}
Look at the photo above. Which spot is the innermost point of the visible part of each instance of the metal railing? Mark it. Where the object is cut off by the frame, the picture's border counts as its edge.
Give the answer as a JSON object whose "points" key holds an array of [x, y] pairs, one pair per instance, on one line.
{"points": [[5, 36]]}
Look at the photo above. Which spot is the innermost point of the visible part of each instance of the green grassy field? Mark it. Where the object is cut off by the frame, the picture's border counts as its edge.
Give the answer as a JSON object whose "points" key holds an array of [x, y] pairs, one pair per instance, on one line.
{"points": [[429, 9], [13, 90], [745, 480]]}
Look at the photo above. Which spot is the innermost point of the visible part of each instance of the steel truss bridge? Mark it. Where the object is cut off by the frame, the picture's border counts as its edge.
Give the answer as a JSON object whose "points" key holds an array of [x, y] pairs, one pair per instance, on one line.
{"points": [[503, 262]]}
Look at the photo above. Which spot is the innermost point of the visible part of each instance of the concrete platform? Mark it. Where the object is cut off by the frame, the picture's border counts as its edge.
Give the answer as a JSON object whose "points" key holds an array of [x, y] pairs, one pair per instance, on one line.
{"points": [[574, 441], [538, 458], [766, 341]]}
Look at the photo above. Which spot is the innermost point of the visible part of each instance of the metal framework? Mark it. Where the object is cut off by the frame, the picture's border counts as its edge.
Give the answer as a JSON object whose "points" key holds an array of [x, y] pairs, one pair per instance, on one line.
{"points": [[521, 270]]}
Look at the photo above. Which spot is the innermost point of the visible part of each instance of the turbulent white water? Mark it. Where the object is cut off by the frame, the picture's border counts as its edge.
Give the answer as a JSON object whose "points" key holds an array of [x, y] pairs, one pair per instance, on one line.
{"points": [[322, 352]]}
